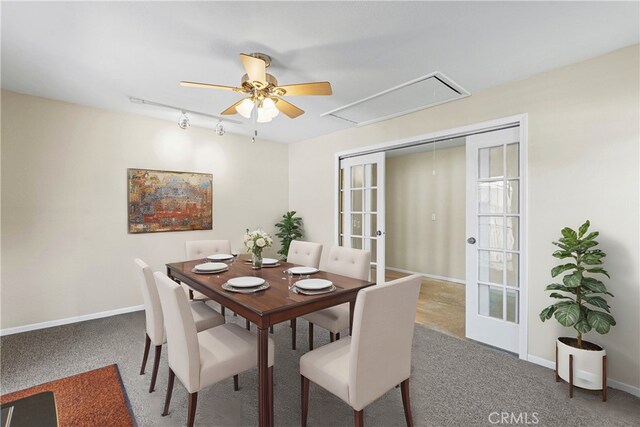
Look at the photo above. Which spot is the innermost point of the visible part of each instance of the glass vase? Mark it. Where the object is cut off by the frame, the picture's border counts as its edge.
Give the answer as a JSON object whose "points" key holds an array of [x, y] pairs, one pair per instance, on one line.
{"points": [[256, 260]]}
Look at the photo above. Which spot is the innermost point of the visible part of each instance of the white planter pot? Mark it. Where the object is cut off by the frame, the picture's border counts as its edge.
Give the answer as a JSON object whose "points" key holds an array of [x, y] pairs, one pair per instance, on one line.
{"points": [[589, 366]]}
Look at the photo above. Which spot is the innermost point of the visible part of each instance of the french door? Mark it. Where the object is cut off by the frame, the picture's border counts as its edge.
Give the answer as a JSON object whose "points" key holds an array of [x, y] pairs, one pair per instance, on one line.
{"points": [[494, 252], [361, 207]]}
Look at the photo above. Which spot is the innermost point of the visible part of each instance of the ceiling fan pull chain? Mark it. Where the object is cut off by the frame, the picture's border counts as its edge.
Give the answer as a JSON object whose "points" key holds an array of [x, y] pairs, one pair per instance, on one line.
{"points": [[255, 120]]}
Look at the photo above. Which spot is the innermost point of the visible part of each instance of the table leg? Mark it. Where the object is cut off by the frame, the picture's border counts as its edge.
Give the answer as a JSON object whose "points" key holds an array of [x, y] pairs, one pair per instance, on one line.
{"points": [[264, 418], [352, 307]]}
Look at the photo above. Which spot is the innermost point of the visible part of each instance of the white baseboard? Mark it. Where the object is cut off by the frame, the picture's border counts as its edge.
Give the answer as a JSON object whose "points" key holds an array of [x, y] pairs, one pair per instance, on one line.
{"points": [[68, 320], [611, 383], [430, 276]]}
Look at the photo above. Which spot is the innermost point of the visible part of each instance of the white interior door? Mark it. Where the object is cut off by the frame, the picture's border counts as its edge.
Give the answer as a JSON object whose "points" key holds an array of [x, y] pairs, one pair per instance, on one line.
{"points": [[361, 207], [495, 297]]}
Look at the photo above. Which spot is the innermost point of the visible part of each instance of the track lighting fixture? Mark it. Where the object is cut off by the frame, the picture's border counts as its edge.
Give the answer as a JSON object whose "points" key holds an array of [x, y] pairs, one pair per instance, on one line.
{"points": [[183, 122], [219, 128]]}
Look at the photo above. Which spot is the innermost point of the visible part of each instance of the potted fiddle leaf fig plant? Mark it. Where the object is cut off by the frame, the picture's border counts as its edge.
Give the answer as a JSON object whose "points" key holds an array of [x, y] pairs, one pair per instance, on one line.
{"points": [[289, 229], [582, 305]]}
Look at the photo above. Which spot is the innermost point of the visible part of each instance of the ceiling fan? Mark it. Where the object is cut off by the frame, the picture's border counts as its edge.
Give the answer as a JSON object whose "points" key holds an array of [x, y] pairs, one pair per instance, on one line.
{"points": [[264, 94]]}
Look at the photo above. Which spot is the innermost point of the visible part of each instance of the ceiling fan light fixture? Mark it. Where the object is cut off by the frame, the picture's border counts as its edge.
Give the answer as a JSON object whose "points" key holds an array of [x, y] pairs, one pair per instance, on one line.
{"points": [[183, 121], [245, 108]]}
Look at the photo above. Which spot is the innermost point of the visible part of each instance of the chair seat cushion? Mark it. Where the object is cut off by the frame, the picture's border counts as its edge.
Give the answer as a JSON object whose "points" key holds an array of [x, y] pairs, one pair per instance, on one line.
{"points": [[335, 319], [204, 316], [227, 350], [328, 366]]}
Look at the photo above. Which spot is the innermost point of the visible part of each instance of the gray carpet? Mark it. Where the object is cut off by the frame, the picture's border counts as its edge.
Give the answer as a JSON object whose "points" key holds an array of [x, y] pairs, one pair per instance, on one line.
{"points": [[454, 382]]}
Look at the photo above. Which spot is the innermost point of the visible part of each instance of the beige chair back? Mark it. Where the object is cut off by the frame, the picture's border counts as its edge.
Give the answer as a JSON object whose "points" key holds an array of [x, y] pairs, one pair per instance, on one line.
{"points": [[380, 355], [304, 253], [349, 262], [182, 337], [203, 248], [152, 307]]}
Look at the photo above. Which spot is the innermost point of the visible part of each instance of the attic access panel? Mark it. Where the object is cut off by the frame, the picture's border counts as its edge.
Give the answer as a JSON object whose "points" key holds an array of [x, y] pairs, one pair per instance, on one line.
{"points": [[418, 94]]}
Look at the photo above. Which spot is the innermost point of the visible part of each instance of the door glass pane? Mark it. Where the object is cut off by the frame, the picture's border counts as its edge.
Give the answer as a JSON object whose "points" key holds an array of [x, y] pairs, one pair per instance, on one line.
{"points": [[357, 176], [371, 200], [374, 225], [512, 306], [490, 267], [512, 263], [356, 242], [490, 162], [513, 198], [490, 197], [490, 301], [356, 200], [374, 174], [490, 232], [374, 248], [512, 233], [356, 224], [513, 164]]}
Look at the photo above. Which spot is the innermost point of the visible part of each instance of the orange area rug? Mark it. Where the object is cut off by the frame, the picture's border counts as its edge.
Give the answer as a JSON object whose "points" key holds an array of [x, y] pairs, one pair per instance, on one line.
{"points": [[94, 398]]}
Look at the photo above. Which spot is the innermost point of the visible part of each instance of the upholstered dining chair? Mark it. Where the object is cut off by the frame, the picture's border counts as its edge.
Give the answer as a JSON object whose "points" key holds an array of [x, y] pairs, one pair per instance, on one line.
{"points": [[200, 249], [376, 357], [346, 262], [204, 317], [201, 359], [306, 254]]}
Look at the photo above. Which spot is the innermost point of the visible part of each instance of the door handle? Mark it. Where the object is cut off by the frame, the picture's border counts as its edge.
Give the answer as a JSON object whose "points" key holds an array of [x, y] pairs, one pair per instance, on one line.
{"points": [[471, 240], [379, 233]]}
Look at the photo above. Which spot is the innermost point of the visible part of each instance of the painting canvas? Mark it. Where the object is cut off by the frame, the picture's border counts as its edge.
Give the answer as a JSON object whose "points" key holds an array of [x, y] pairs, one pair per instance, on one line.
{"points": [[169, 201]]}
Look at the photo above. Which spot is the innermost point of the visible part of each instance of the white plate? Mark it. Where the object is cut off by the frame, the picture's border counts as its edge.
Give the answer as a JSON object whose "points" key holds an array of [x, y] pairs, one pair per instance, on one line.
{"points": [[211, 266], [313, 284], [269, 261], [220, 257], [303, 270], [245, 282]]}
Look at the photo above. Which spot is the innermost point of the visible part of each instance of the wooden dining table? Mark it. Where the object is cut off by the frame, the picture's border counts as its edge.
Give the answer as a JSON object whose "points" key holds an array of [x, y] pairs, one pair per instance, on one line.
{"points": [[274, 305]]}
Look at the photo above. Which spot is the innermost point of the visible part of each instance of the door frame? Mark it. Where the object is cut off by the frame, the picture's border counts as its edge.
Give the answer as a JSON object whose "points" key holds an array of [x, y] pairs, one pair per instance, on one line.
{"points": [[486, 126]]}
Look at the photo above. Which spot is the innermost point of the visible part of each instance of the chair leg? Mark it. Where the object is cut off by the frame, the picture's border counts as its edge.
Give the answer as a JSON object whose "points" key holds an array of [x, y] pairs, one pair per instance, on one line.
{"points": [[359, 417], [156, 364], [147, 344], [222, 310], [248, 325], [193, 401], [310, 336], [235, 314], [293, 333], [404, 388], [332, 337], [167, 399], [270, 385], [304, 400], [236, 386], [271, 329]]}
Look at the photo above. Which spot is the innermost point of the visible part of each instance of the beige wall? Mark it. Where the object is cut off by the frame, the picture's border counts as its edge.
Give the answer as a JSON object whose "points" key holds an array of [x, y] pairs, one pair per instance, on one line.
{"points": [[583, 163], [65, 247], [413, 193]]}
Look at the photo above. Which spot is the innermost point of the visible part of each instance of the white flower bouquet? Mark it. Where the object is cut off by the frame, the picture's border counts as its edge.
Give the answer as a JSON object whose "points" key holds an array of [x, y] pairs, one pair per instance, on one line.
{"points": [[255, 241]]}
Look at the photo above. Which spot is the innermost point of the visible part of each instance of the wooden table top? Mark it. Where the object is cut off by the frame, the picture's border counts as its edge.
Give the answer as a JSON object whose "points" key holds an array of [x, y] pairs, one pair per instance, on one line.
{"points": [[273, 305]]}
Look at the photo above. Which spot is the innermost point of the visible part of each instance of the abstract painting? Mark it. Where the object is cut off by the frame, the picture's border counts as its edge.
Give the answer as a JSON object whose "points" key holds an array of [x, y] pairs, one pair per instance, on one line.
{"points": [[169, 201]]}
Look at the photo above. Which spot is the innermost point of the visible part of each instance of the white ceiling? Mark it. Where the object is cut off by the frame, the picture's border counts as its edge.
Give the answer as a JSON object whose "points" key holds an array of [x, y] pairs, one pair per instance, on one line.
{"points": [[101, 53]]}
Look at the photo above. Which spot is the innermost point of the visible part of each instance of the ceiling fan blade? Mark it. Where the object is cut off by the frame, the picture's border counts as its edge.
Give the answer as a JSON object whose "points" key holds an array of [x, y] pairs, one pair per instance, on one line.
{"points": [[210, 86], [315, 88], [255, 68], [288, 108], [231, 110]]}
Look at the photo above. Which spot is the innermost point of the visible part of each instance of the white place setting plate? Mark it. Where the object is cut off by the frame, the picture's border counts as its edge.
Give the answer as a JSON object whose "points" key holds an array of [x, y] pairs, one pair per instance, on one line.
{"points": [[269, 261], [246, 282], [303, 270], [210, 267], [220, 257], [313, 284]]}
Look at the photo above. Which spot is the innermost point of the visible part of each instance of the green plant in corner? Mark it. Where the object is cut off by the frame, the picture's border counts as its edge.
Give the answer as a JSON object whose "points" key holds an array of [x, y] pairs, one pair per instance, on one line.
{"points": [[576, 305], [289, 228]]}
